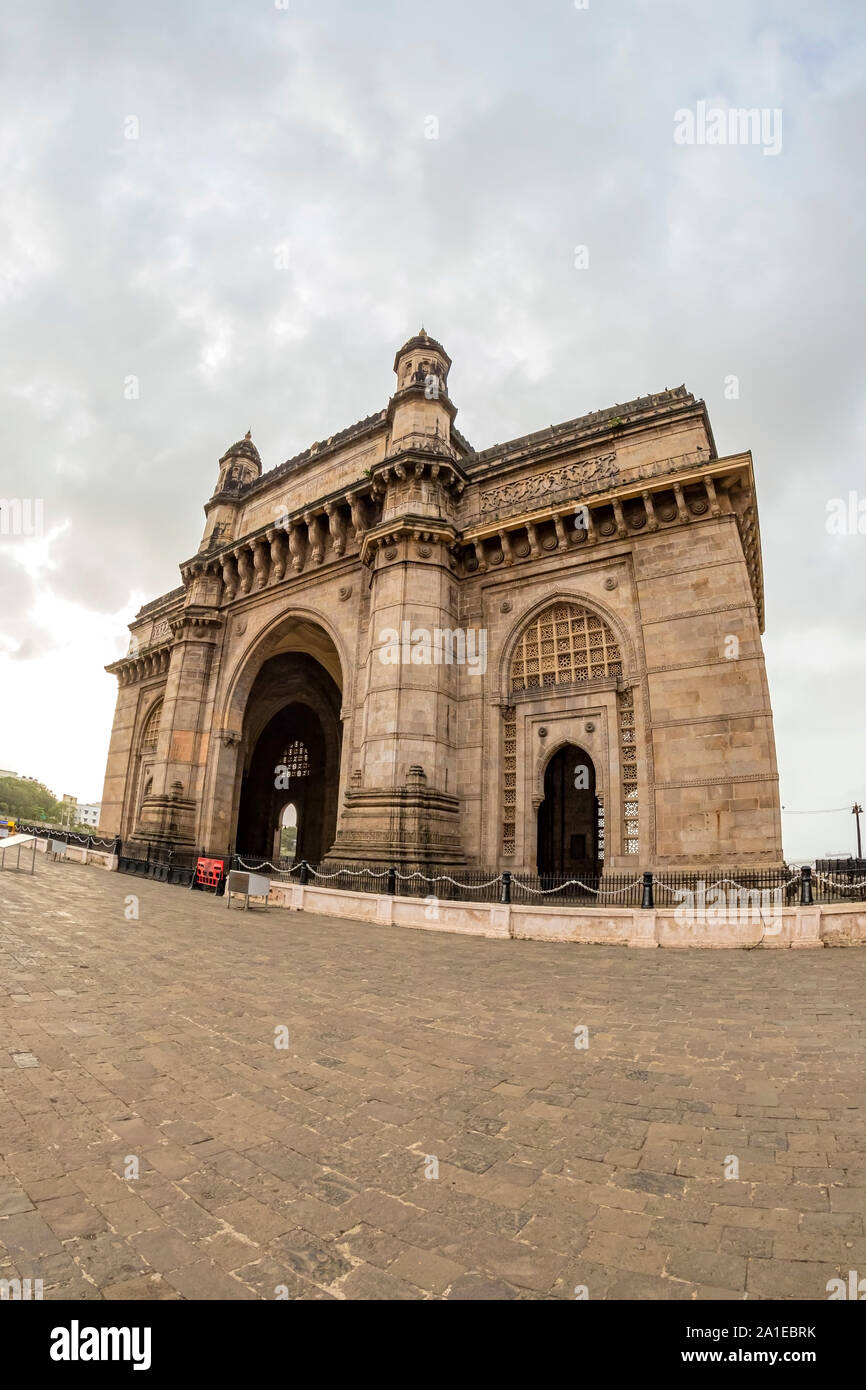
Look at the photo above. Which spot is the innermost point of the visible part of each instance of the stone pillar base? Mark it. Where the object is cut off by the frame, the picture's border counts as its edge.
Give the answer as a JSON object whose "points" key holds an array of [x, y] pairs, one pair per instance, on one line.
{"points": [[413, 824], [807, 929], [643, 928], [168, 821]]}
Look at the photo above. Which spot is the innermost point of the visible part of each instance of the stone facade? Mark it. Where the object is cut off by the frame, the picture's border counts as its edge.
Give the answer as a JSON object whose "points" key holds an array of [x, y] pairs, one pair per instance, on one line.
{"points": [[551, 647]]}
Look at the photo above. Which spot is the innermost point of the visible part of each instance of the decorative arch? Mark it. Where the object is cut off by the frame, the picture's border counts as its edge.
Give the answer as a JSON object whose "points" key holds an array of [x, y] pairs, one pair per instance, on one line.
{"points": [[145, 758], [150, 730], [616, 636], [299, 630], [296, 662], [562, 643], [566, 643]]}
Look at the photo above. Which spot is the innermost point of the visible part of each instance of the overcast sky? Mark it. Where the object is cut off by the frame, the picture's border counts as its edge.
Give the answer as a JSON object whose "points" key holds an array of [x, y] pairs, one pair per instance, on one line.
{"points": [[284, 220]]}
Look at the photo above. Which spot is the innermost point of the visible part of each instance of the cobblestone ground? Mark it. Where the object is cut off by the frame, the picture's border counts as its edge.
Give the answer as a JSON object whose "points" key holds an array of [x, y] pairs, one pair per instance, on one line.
{"points": [[306, 1167]]}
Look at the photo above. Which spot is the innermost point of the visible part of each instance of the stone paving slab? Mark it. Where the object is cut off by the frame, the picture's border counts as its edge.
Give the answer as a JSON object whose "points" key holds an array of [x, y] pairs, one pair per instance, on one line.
{"points": [[429, 1130]]}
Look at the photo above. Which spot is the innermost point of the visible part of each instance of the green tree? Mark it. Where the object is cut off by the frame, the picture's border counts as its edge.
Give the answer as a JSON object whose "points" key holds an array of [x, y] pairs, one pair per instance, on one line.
{"points": [[29, 801]]}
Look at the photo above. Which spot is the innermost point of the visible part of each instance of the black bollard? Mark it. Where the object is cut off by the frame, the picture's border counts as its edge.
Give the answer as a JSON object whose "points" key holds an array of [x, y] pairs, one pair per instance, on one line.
{"points": [[647, 900]]}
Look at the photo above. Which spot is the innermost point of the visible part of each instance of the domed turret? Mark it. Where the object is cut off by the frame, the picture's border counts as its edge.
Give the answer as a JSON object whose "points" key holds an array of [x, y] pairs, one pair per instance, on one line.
{"points": [[420, 412], [422, 362], [240, 464]]}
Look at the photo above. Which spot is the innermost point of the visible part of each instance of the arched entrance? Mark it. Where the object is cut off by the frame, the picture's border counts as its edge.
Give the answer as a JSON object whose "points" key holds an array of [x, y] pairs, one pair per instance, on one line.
{"points": [[569, 839], [291, 757]]}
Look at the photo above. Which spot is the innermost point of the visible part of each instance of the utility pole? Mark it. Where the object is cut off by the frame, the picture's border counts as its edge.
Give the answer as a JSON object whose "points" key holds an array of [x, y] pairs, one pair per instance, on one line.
{"points": [[857, 811]]}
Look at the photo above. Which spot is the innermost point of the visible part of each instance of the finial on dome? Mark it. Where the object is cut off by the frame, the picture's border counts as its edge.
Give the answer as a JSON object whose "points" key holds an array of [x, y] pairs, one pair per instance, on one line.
{"points": [[422, 342]]}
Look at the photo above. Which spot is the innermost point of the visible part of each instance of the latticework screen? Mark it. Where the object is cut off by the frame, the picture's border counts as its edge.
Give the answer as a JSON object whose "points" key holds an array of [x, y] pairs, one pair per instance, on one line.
{"points": [[150, 735], [563, 645], [296, 760], [628, 755], [509, 782]]}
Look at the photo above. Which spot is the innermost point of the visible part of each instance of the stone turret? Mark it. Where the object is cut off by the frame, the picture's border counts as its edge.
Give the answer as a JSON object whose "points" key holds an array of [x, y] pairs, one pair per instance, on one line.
{"points": [[408, 757], [239, 465], [420, 413]]}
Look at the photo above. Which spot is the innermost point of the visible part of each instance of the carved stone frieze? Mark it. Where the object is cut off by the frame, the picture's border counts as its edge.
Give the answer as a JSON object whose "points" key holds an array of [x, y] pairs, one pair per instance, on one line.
{"points": [[542, 487]]}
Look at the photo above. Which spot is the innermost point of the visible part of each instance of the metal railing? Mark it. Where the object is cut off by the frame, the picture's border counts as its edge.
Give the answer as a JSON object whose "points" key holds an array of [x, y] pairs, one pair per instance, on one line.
{"points": [[829, 882], [646, 889], [106, 844]]}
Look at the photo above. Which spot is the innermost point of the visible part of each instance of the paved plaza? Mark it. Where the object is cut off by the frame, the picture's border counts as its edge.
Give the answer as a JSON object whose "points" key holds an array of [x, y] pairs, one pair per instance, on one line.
{"points": [[310, 1170]]}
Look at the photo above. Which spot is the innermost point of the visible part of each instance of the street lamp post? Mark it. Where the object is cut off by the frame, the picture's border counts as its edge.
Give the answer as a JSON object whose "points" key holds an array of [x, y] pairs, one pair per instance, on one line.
{"points": [[857, 811]]}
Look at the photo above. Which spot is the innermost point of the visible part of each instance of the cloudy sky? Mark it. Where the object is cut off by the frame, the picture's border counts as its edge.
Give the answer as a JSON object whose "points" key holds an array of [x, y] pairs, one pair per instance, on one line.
{"points": [[247, 206]]}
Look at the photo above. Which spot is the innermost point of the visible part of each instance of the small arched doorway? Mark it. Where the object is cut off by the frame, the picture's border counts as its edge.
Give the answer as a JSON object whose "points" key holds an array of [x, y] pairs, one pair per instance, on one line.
{"points": [[286, 840], [569, 838]]}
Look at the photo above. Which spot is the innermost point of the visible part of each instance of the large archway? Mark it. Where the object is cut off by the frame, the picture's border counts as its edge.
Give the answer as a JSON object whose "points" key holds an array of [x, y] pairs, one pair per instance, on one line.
{"points": [[570, 827], [291, 756]]}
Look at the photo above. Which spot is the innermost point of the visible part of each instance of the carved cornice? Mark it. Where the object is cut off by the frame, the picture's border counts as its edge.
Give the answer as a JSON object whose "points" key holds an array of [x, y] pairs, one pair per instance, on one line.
{"points": [[200, 623], [435, 460], [425, 530], [141, 665]]}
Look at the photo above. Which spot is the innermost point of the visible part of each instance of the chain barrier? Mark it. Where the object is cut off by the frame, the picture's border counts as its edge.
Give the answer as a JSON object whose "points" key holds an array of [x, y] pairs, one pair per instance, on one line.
{"points": [[660, 883], [841, 887], [353, 873], [446, 878], [542, 892]]}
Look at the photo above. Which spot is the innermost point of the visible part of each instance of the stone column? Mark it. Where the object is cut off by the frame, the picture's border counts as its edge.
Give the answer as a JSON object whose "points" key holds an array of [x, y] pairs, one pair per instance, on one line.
{"points": [[336, 527], [245, 568], [652, 523], [230, 577], [316, 537], [261, 558], [168, 815], [406, 806], [712, 498], [297, 548], [359, 518], [277, 538]]}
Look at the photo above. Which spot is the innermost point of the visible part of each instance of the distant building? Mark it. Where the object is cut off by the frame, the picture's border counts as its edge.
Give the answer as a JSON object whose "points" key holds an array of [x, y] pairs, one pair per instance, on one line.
{"points": [[4, 772], [88, 813]]}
